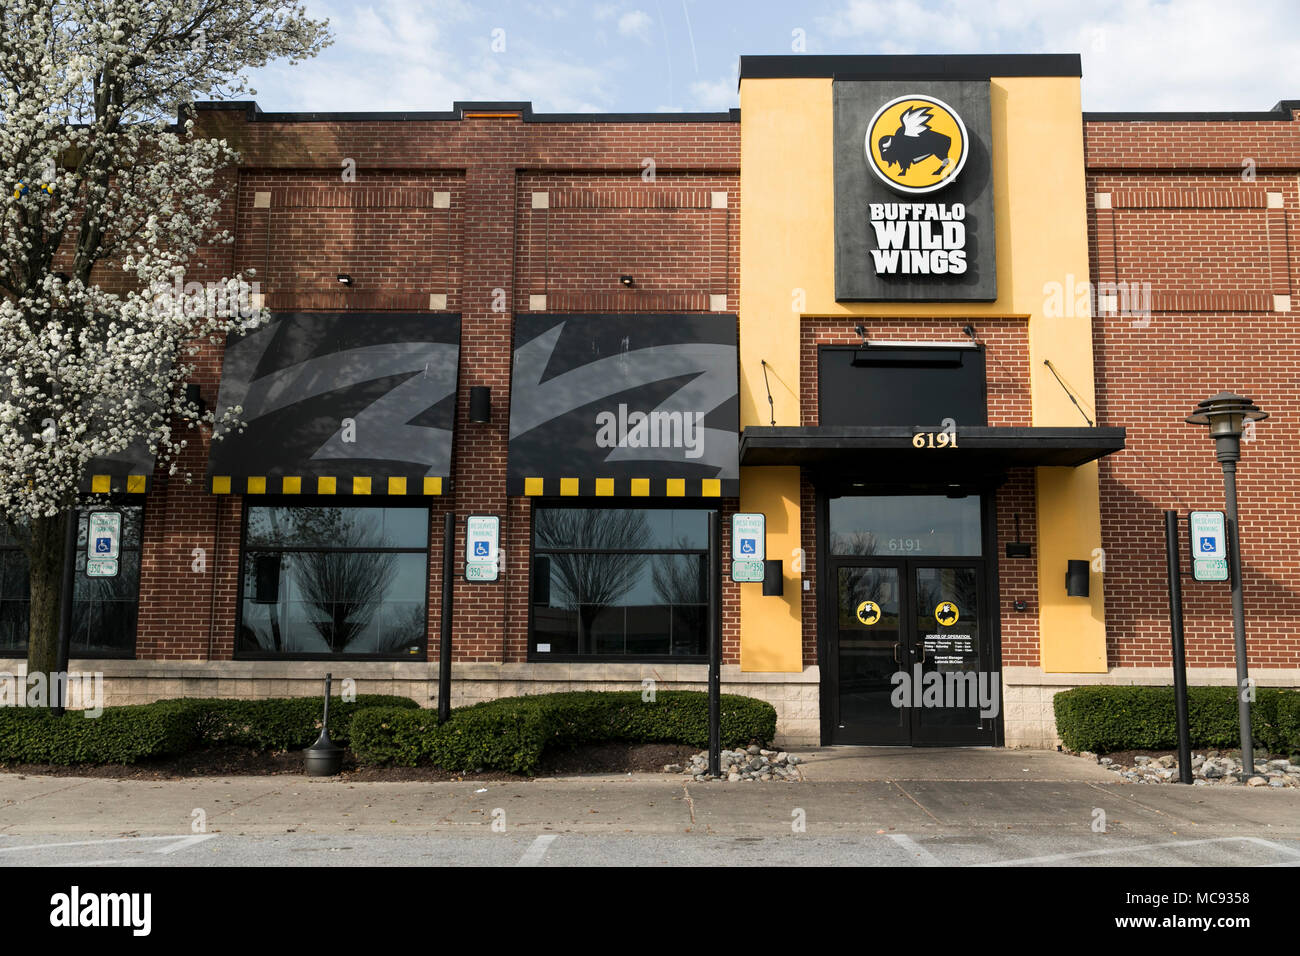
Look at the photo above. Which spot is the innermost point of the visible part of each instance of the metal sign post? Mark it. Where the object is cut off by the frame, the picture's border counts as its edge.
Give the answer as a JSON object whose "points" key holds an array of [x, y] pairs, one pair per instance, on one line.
{"points": [[444, 616], [715, 647], [1176, 637]]}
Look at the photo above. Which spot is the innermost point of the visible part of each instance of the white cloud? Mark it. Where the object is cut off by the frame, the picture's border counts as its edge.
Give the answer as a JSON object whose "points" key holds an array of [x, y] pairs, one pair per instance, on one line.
{"points": [[714, 95], [1137, 54], [635, 23]]}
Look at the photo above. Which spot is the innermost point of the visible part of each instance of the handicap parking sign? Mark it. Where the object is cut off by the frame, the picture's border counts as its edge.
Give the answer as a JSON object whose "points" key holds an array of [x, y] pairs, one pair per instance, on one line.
{"points": [[1208, 544], [748, 545], [103, 545], [480, 549]]}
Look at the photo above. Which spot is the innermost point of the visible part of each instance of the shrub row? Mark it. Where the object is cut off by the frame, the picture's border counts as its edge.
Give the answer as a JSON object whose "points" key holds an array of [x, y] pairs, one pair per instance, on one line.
{"points": [[1106, 719], [165, 728], [512, 733]]}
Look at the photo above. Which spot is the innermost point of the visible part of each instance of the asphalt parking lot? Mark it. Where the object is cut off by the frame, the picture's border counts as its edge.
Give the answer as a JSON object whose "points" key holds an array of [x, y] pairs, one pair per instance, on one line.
{"points": [[857, 807]]}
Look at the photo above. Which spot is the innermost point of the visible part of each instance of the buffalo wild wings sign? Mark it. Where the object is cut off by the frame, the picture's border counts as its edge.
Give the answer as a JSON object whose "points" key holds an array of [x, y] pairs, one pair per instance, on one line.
{"points": [[913, 191]]}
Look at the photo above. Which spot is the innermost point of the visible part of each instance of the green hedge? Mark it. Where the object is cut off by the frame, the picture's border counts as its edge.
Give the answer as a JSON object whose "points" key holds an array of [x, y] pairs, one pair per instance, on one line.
{"points": [[512, 733], [168, 727], [1105, 719]]}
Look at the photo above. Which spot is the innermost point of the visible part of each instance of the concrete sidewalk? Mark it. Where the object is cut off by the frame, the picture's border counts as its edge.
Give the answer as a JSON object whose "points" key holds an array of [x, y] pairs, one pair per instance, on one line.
{"points": [[848, 791]]}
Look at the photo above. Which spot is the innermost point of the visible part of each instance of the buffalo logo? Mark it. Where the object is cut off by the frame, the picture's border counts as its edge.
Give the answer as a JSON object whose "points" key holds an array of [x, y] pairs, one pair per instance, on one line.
{"points": [[916, 144], [868, 612], [946, 614]]}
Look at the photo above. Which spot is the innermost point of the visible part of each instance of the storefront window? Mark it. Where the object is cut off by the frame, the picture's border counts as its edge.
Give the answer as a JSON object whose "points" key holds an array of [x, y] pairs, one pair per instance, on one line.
{"points": [[334, 581], [620, 582], [105, 609], [902, 526]]}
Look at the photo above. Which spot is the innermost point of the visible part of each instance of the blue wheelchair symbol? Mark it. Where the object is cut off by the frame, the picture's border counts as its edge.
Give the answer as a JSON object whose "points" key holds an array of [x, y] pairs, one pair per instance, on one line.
{"points": [[480, 549], [1207, 543], [103, 545], [748, 546]]}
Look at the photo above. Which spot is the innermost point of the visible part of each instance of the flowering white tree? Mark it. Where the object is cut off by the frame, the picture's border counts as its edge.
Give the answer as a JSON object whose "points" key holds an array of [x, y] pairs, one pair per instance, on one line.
{"points": [[106, 202]]}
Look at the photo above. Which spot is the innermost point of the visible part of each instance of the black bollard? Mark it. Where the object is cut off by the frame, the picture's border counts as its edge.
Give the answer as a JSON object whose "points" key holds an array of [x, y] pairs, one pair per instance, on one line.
{"points": [[324, 757]]}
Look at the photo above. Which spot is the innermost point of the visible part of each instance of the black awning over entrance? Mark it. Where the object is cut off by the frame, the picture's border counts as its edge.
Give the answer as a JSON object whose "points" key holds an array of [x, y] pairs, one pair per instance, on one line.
{"points": [[895, 448]]}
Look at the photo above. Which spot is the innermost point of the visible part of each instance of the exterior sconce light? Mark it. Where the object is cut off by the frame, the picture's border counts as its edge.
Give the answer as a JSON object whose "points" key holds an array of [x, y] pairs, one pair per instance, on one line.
{"points": [[1076, 578], [345, 279], [480, 404], [773, 579], [627, 281], [194, 396]]}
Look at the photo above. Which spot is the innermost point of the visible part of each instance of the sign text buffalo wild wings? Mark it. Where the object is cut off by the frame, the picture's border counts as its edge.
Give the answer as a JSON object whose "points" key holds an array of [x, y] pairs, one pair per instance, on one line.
{"points": [[913, 197]]}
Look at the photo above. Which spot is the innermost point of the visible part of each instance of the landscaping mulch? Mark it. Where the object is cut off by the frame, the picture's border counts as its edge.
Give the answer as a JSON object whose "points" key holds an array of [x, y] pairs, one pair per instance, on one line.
{"points": [[240, 761]]}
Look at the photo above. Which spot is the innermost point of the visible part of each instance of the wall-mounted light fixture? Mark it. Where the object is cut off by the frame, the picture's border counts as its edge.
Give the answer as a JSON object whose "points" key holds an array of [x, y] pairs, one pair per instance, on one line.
{"points": [[1018, 548], [345, 279], [773, 579], [480, 404], [627, 281], [194, 396], [1076, 578]]}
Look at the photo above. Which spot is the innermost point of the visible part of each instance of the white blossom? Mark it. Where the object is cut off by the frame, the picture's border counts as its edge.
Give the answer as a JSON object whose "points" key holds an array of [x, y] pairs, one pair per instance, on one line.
{"points": [[102, 184]]}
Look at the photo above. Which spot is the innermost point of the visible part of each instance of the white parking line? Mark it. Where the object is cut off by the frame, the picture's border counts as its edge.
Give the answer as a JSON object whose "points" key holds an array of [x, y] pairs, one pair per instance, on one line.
{"points": [[535, 852], [178, 842], [1111, 851], [911, 846]]}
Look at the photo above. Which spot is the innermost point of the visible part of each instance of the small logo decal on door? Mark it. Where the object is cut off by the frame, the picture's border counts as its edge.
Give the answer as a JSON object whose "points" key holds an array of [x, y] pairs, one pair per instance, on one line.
{"points": [[946, 614], [868, 612]]}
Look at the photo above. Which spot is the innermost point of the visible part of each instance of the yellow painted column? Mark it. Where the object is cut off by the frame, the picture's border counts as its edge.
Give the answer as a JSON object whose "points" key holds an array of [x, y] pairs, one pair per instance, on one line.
{"points": [[771, 638]]}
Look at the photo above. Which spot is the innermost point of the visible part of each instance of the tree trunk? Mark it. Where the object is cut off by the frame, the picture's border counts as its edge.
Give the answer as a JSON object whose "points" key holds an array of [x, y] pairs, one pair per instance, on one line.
{"points": [[45, 556]]}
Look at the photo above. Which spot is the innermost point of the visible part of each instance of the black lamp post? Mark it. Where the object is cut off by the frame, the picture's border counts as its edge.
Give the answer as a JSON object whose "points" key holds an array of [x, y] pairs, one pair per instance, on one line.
{"points": [[1226, 414]]}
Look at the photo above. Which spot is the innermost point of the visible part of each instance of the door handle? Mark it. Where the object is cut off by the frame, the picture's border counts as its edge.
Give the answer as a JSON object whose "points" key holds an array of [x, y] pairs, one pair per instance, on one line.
{"points": [[896, 643], [920, 646]]}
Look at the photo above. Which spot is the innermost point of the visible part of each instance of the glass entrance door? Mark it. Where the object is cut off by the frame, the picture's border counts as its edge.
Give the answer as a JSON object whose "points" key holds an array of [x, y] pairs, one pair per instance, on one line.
{"points": [[906, 623], [912, 655]]}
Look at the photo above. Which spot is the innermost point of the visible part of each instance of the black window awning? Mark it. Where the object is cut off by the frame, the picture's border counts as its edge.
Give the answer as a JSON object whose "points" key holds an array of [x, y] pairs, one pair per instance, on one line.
{"points": [[624, 405], [894, 449], [128, 472], [339, 403]]}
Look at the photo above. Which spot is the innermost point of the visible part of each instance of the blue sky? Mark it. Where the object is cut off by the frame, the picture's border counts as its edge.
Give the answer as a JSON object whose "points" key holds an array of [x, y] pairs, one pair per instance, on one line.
{"points": [[657, 55]]}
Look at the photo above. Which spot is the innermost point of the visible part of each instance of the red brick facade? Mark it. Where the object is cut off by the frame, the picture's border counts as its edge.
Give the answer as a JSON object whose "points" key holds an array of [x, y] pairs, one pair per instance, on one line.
{"points": [[1206, 213], [414, 209], [442, 215]]}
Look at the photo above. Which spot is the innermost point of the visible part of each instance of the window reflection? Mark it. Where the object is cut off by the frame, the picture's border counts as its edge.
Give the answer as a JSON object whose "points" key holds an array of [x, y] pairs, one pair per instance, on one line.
{"points": [[619, 582], [335, 581], [900, 526]]}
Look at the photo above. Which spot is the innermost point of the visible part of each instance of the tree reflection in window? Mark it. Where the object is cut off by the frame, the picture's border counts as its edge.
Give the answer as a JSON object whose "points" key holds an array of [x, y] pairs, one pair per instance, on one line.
{"points": [[335, 581]]}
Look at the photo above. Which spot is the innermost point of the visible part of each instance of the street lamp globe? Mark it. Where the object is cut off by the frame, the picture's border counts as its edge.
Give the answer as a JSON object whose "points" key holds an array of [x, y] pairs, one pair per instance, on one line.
{"points": [[1226, 414]]}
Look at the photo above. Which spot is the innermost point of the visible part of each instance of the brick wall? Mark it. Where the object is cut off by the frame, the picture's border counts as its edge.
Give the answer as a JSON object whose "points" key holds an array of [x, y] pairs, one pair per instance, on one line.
{"points": [[443, 208], [1190, 213]]}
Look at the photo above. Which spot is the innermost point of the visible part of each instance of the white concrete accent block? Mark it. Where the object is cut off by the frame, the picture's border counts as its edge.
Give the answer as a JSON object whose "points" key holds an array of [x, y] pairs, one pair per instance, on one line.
{"points": [[441, 200], [717, 303], [437, 300], [1281, 303], [537, 303], [262, 200], [1274, 200], [541, 200], [1103, 200], [719, 199], [257, 300]]}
